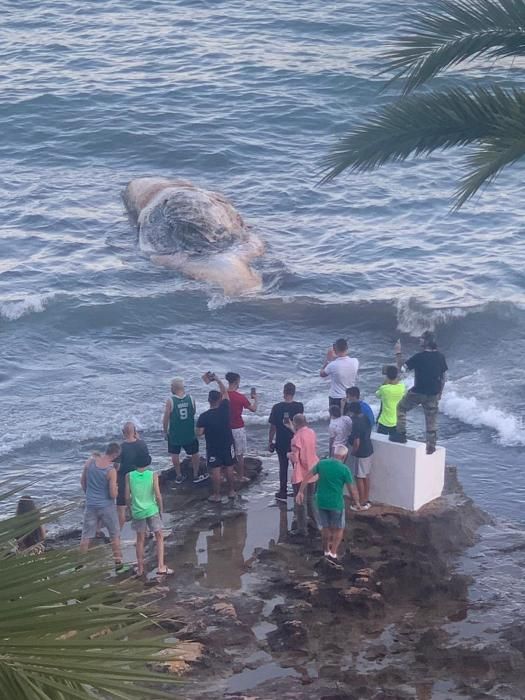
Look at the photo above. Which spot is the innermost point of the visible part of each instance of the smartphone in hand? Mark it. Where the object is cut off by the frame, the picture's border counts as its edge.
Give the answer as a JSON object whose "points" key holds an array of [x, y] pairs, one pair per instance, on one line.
{"points": [[253, 392], [207, 377]]}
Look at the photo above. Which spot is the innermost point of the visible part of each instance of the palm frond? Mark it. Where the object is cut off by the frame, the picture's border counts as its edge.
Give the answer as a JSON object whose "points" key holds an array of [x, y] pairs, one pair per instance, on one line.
{"points": [[454, 31], [421, 124], [53, 614], [487, 161]]}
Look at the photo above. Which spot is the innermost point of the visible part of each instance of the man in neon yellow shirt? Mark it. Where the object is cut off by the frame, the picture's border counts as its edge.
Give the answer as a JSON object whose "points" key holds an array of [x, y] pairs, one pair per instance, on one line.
{"points": [[144, 497], [390, 392]]}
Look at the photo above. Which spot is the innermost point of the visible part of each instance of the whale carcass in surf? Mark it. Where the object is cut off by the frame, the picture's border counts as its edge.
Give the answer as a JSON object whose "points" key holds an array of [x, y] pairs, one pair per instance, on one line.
{"points": [[190, 229]]}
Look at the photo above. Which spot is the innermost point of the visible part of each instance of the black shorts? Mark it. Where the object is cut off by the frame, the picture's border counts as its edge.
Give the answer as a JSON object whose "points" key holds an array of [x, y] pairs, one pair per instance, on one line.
{"points": [[385, 429], [225, 459], [190, 449]]}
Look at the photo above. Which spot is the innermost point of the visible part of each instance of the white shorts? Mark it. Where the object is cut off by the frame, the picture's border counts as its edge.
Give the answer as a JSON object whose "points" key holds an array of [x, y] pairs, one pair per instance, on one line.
{"points": [[239, 439], [364, 467]]}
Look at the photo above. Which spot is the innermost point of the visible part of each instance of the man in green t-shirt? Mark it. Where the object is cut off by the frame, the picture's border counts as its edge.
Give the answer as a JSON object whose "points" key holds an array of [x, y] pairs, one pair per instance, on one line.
{"points": [[390, 392], [333, 476]]}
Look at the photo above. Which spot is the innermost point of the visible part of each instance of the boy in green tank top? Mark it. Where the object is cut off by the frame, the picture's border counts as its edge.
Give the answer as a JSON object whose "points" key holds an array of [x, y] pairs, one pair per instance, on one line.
{"points": [[179, 428], [145, 500]]}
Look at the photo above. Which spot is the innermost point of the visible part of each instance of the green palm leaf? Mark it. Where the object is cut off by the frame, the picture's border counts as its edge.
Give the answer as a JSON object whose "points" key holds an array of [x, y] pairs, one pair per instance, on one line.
{"points": [[453, 32], [491, 118], [51, 617]]}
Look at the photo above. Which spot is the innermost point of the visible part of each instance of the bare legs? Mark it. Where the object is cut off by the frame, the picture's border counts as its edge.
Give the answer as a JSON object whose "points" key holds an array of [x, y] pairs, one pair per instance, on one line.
{"points": [[332, 538], [115, 546], [240, 466], [175, 460], [195, 465], [121, 511], [139, 548], [216, 476], [363, 488]]}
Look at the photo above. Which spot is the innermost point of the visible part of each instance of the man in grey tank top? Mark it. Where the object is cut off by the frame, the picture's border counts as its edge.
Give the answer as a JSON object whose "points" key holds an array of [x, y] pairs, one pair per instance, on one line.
{"points": [[99, 483]]}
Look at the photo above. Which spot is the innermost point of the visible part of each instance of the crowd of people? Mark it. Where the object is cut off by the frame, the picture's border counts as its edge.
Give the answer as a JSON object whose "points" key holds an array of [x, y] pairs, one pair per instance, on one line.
{"points": [[119, 483]]}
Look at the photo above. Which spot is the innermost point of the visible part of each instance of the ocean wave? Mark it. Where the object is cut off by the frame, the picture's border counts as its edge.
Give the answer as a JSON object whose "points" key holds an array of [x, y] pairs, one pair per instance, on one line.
{"points": [[473, 411], [14, 309]]}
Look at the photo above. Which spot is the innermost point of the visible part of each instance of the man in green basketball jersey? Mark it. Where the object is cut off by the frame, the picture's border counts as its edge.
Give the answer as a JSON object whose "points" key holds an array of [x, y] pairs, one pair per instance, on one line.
{"points": [[179, 428]]}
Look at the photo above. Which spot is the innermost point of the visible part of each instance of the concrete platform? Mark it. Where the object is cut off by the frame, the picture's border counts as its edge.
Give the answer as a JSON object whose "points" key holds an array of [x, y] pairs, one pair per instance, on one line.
{"points": [[404, 475]]}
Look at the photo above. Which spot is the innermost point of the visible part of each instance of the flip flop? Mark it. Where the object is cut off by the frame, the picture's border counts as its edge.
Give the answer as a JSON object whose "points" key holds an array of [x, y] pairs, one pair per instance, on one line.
{"points": [[168, 572]]}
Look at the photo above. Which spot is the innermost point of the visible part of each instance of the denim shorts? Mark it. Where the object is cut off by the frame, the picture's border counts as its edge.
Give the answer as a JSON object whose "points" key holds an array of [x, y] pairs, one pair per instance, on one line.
{"points": [[331, 518], [106, 516], [153, 523]]}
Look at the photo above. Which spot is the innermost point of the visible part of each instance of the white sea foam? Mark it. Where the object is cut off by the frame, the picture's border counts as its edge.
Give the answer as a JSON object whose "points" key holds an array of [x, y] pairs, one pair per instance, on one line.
{"points": [[16, 308], [481, 414], [414, 320]]}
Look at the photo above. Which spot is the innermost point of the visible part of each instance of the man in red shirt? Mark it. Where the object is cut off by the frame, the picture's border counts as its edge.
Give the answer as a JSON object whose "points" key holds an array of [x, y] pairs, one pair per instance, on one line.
{"points": [[238, 402]]}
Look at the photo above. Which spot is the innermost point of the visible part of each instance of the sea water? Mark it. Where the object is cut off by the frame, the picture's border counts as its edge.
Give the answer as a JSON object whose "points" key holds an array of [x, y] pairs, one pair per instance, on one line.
{"points": [[245, 98]]}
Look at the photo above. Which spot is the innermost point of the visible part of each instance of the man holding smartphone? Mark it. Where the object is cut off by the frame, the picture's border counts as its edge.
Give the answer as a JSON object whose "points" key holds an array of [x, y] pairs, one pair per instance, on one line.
{"points": [[214, 424], [239, 402]]}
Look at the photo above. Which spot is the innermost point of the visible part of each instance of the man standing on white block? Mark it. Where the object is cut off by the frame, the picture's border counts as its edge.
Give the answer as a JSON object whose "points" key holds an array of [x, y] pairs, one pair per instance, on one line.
{"points": [[430, 369]]}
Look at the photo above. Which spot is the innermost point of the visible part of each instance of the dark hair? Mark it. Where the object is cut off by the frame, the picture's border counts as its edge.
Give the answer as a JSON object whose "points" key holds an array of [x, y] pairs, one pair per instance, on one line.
{"points": [[355, 407], [24, 506], [392, 372], [214, 396], [335, 411], [232, 377], [289, 389], [353, 391], [113, 449], [340, 345], [429, 340]]}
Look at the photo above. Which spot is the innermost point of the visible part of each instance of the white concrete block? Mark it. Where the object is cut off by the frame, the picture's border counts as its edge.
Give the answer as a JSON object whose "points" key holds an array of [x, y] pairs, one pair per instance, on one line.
{"points": [[404, 475]]}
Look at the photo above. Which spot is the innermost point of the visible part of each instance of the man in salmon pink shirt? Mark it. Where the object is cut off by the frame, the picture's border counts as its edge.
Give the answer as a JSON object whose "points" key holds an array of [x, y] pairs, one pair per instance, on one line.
{"points": [[303, 457], [239, 402]]}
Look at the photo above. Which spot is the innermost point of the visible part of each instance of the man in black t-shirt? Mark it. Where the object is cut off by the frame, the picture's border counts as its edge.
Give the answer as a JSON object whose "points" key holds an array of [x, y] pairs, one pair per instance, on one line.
{"points": [[134, 454], [280, 437], [430, 369], [214, 424]]}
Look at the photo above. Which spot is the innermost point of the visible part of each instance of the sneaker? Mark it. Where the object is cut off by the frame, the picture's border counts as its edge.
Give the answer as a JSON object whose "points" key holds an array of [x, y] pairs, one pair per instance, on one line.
{"points": [[356, 508], [431, 449], [180, 479], [367, 506], [290, 494], [281, 497], [199, 479], [398, 437]]}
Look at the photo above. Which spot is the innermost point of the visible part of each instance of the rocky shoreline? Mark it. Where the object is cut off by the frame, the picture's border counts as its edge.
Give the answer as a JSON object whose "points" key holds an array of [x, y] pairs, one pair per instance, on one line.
{"points": [[415, 614]]}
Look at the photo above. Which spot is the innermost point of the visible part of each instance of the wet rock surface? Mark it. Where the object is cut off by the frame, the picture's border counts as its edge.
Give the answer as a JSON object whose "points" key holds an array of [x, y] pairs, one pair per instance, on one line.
{"points": [[427, 606]]}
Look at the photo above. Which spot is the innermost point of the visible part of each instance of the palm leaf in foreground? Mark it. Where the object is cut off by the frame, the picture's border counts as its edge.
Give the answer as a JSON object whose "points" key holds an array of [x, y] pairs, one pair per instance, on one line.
{"points": [[67, 635], [454, 32], [491, 118]]}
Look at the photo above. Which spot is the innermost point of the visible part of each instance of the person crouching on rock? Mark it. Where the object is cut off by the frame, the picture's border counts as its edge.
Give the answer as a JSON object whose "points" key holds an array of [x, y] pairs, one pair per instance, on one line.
{"points": [[303, 456], [214, 424], [333, 476], [144, 498]]}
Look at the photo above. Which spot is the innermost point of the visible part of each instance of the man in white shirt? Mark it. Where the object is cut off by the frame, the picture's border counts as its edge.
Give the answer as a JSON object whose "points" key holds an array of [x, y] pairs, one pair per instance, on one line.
{"points": [[342, 371]]}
